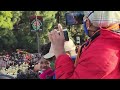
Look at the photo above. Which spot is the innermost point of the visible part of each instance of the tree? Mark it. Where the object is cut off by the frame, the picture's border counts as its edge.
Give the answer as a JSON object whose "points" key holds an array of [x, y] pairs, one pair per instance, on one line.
{"points": [[15, 29], [5, 19], [7, 38], [28, 39]]}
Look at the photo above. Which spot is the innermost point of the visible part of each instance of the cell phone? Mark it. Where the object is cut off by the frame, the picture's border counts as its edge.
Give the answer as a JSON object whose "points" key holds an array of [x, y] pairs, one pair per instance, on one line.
{"points": [[74, 18], [65, 31], [66, 34]]}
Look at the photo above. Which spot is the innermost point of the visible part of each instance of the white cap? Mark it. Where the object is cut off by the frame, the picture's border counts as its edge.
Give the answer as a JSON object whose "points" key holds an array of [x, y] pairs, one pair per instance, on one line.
{"points": [[103, 18], [50, 53], [68, 46]]}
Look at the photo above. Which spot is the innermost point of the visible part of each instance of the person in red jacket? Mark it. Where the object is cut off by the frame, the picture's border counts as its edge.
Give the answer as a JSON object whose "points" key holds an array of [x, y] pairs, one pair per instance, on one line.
{"points": [[99, 57]]}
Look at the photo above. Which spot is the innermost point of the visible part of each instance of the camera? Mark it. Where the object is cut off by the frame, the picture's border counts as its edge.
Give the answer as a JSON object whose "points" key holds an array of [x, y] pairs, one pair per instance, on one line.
{"points": [[74, 18]]}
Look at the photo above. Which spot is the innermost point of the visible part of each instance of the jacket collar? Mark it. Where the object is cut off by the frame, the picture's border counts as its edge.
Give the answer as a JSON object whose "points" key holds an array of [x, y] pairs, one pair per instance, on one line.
{"points": [[109, 34]]}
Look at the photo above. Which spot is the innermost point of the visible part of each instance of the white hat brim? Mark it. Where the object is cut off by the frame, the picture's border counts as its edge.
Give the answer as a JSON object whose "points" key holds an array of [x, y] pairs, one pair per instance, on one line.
{"points": [[49, 55]]}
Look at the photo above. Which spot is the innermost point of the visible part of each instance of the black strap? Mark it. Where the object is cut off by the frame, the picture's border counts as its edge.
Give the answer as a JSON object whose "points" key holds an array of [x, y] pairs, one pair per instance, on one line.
{"points": [[95, 35]]}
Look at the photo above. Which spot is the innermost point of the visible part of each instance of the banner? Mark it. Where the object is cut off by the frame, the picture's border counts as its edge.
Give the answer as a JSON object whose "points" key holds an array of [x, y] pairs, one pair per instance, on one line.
{"points": [[36, 23]]}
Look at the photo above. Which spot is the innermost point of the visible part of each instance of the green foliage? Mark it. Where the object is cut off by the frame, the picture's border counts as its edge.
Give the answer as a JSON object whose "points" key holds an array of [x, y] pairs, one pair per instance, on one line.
{"points": [[7, 37], [49, 21], [8, 19], [15, 29], [16, 16], [8, 41]]}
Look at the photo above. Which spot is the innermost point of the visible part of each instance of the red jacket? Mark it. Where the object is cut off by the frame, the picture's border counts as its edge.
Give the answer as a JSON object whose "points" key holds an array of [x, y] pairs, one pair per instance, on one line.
{"points": [[99, 60], [49, 72]]}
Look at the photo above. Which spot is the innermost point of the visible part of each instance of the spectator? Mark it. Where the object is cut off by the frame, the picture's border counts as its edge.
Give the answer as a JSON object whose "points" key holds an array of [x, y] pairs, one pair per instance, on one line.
{"points": [[47, 72], [29, 74], [100, 55]]}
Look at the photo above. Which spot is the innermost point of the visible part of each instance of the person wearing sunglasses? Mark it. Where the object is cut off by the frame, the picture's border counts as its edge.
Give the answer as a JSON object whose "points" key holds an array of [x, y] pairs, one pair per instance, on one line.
{"points": [[99, 57]]}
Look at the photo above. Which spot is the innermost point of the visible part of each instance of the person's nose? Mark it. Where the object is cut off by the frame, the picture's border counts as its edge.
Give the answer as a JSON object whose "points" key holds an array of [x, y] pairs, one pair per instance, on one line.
{"points": [[44, 65]]}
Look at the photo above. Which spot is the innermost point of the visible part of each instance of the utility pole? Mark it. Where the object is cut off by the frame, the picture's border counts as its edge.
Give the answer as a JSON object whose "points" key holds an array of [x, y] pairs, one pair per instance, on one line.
{"points": [[37, 33]]}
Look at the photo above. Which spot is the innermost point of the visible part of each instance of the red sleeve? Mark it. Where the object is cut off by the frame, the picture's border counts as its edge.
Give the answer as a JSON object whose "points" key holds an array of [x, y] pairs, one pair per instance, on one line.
{"points": [[90, 68], [64, 67]]}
